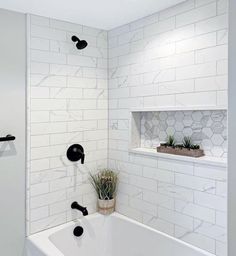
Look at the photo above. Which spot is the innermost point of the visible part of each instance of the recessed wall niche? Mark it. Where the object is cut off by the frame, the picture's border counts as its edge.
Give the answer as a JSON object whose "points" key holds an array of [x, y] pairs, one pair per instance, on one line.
{"points": [[208, 128]]}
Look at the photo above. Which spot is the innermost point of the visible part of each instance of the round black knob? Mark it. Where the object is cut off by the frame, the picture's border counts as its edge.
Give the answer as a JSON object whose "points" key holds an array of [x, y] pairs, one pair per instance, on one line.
{"points": [[75, 152], [78, 231]]}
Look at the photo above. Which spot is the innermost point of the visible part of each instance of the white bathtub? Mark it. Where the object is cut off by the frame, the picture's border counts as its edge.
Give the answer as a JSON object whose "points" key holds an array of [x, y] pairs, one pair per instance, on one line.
{"points": [[113, 235]]}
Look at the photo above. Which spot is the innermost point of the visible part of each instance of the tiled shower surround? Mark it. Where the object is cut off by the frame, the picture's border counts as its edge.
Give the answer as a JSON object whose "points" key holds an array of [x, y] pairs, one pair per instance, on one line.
{"points": [[177, 57], [206, 128], [67, 104]]}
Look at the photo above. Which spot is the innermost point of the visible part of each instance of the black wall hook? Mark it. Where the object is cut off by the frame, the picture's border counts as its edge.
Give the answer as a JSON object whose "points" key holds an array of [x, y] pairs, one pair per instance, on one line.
{"points": [[81, 44], [76, 152]]}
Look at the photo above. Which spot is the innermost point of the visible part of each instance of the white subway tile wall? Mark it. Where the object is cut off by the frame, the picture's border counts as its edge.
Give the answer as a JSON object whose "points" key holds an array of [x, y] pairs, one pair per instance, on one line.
{"points": [[67, 104], [177, 57]]}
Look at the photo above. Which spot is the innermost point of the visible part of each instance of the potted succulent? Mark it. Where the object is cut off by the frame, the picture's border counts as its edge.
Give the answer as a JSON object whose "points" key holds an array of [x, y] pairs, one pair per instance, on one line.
{"points": [[105, 184], [170, 142], [187, 148], [187, 143]]}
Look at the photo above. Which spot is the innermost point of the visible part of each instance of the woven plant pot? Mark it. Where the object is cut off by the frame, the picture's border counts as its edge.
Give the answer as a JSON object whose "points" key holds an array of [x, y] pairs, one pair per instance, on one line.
{"points": [[106, 207]]}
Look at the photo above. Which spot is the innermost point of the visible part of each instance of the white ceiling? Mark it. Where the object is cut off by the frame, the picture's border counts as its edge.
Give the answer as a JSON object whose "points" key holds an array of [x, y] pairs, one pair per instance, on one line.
{"points": [[104, 14]]}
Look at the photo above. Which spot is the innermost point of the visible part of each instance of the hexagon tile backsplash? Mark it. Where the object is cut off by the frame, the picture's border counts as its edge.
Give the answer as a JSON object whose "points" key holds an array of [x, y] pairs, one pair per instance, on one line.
{"points": [[207, 128]]}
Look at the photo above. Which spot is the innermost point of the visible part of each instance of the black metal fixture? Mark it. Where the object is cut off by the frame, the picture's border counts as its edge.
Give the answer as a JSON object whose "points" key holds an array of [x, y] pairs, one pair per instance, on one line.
{"points": [[76, 152], [7, 138], [80, 44], [78, 231], [78, 207]]}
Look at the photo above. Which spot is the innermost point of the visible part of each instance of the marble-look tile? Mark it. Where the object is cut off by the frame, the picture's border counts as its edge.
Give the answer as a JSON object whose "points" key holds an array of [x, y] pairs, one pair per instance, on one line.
{"points": [[68, 103], [204, 127], [179, 61], [176, 57]]}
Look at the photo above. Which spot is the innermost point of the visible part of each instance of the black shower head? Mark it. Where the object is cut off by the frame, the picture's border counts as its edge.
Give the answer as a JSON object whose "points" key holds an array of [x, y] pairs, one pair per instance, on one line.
{"points": [[81, 44]]}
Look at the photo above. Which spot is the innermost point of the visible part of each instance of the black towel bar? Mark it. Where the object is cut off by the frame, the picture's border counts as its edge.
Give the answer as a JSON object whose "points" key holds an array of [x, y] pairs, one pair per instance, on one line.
{"points": [[7, 138]]}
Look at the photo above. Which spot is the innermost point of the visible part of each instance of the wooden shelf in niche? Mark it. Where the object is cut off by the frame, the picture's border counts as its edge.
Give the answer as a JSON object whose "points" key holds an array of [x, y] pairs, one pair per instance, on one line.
{"points": [[206, 126]]}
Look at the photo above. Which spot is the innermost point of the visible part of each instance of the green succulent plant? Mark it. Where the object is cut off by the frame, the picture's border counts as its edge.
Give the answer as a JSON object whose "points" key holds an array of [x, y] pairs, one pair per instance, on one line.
{"points": [[187, 142], [170, 141], [195, 146]]}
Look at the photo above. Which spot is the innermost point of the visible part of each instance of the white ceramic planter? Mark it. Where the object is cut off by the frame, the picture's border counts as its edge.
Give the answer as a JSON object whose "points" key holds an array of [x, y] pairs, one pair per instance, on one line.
{"points": [[106, 207]]}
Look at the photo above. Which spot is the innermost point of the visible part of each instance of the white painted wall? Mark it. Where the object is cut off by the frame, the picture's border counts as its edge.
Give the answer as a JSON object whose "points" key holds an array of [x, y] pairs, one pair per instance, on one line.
{"points": [[12, 120], [232, 129]]}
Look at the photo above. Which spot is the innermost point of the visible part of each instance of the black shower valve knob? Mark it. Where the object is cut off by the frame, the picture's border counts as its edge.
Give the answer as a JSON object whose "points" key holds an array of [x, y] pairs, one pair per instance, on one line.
{"points": [[75, 153]]}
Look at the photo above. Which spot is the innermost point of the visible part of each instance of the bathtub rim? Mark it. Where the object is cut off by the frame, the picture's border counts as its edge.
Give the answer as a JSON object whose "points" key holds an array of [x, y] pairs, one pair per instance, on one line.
{"points": [[43, 243]]}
